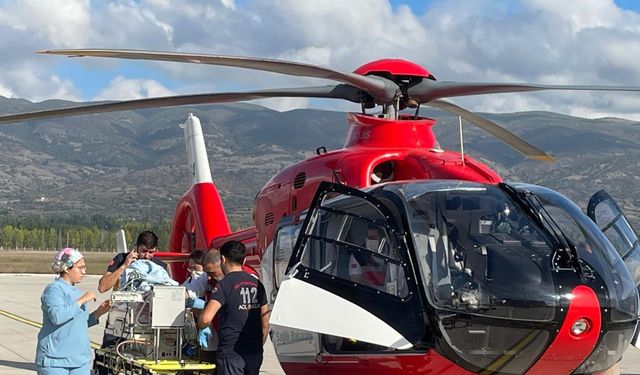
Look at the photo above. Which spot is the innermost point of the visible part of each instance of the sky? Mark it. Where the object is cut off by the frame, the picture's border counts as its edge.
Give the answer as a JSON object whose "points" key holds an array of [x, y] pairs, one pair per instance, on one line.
{"points": [[538, 41]]}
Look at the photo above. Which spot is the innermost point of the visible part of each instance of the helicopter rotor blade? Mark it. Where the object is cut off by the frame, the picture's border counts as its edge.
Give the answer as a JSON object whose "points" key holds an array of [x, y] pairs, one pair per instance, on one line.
{"points": [[340, 91], [517, 143], [428, 90], [383, 90]]}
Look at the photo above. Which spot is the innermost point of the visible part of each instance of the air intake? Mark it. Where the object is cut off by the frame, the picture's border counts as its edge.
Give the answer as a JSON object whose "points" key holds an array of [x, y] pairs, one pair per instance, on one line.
{"points": [[299, 181], [268, 219]]}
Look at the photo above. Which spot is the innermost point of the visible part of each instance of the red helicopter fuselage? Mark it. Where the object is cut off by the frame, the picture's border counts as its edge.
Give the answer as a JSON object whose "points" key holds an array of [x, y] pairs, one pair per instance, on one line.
{"points": [[409, 151], [389, 148], [408, 143]]}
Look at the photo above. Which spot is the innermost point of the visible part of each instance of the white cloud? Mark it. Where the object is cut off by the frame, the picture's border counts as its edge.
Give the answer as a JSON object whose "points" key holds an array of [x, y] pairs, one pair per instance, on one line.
{"points": [[230, 4], [580, 15], [315, 55], [125, 89], [29, 83], [28, 26], [283, 104], [511, 103], [62, 23], [6, 91], [545, 41]]}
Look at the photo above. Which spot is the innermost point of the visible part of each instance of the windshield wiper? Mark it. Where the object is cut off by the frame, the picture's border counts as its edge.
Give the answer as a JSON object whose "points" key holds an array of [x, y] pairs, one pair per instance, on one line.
{"points": [[536, 210], [567, 243], [521, 200]]}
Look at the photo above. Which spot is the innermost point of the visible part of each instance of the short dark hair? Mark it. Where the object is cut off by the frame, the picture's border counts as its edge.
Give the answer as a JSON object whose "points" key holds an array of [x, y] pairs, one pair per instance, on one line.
{"points": [[197, 256], [147, 239], [234, 251], [210, 257]]}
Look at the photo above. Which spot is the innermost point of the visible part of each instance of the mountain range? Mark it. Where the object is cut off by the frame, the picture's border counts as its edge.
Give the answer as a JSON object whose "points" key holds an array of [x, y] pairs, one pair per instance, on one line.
{"points": [[132, 164]]}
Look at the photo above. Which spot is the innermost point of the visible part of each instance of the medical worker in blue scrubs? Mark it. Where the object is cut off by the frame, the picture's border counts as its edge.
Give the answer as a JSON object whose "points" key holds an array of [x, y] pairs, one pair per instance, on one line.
{"points": [[63, 341]]}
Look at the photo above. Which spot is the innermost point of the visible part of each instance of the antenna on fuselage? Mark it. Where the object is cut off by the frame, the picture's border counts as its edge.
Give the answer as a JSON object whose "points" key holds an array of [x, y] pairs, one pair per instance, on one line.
{"points": [[461, 139]]}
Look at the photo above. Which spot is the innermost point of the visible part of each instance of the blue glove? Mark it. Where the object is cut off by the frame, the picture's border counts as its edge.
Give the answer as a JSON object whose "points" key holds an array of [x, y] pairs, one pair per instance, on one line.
{"points": [[204, 336], [189, 351], [195, 303]]}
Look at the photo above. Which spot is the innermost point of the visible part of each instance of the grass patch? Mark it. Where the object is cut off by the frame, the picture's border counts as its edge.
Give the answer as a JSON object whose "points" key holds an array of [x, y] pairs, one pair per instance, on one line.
{"points": [[40, 261]]}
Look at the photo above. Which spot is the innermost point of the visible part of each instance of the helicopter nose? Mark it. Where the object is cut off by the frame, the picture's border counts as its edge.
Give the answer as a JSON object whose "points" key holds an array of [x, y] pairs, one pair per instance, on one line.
{"points": [[577, 337]]}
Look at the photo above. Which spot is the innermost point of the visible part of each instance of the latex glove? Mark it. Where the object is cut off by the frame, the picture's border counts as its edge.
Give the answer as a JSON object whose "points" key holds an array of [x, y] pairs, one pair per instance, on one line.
{"points": [[189, 351], [195, 303], [203, 337]]}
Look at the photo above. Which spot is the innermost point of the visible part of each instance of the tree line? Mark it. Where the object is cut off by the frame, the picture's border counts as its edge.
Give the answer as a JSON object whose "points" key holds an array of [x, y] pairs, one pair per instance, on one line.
{"points": [[87, 233]]}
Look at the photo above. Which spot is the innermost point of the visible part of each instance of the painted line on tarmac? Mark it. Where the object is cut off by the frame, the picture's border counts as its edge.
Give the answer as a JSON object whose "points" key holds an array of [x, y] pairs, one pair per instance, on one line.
{"points": [[33, 323]]}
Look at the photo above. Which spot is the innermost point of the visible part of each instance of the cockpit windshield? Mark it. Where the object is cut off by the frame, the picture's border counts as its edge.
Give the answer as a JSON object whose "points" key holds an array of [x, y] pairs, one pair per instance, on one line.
{"points": [[482, 250], [479, 252], [496, 264]]}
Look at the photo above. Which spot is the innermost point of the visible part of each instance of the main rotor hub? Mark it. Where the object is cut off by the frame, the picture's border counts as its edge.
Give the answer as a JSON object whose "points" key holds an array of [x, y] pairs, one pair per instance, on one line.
{"points": [[404, 73]]}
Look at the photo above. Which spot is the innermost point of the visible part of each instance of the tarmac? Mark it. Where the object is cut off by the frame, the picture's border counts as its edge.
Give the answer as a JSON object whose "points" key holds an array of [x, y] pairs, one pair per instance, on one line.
{"points": [[20, 316]]}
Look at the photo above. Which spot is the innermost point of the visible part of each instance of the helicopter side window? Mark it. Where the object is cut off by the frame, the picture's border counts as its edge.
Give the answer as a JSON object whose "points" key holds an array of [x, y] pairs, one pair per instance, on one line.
{"points": [[285, 240], [616, 228], [350, 241], [597, 260]]}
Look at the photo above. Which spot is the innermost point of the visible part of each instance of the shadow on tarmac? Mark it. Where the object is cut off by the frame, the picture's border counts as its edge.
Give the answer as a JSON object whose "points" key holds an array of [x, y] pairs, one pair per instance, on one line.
{"points": [[20, 365]]}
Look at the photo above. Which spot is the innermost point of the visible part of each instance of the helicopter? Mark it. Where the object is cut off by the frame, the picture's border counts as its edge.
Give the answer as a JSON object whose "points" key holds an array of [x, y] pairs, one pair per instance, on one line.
{"points": [[393, 255]]}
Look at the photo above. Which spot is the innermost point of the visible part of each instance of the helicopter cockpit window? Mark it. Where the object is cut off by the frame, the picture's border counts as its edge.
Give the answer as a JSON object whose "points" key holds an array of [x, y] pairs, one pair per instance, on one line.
{"points": [[285, 240], [616, 228], [599, 260], [479, 253], [349, 240]]}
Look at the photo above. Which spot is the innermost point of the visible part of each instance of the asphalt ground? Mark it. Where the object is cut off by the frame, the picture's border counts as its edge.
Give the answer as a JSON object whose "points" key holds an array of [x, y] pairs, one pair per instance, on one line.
{"points": [[20, 317]]}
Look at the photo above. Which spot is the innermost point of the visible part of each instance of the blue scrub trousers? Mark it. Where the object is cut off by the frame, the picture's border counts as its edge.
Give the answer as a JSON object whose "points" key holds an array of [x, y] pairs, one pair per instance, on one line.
{"points": [[84, 370]]}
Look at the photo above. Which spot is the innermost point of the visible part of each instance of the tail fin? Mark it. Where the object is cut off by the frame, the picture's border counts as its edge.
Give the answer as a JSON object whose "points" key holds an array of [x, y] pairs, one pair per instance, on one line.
{"points": [[121, 242], [200, 215], [196, 151]]}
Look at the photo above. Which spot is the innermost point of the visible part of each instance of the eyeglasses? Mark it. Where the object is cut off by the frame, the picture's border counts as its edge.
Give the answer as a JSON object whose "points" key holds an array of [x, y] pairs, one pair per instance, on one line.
{"points": [[81, 268]]}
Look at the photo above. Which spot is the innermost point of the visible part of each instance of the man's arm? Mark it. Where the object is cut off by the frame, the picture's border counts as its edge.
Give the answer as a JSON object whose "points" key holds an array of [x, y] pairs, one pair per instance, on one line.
{"points": [[264, 313], [210, 310], [110, 278]]}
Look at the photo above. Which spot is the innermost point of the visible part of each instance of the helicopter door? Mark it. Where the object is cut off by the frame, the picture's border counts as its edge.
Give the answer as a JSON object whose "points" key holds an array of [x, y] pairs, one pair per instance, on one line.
{"points": [[608, 216], [604, 211], [348, 275], [291, 345]]}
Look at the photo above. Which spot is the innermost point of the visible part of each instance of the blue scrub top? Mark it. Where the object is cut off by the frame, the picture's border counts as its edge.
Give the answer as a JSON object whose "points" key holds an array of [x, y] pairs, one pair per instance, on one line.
{"points": [[63, 340]]}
